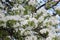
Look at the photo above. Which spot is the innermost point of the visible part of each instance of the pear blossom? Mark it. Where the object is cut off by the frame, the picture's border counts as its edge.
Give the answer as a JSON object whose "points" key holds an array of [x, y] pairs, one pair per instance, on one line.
{"points": [[32, 1], [16, 25], [43, 31], [31, 38], [24, 22], [57, 8], [49, 38], [18, 8], [15, 17], [28, 27], [43, 10]]}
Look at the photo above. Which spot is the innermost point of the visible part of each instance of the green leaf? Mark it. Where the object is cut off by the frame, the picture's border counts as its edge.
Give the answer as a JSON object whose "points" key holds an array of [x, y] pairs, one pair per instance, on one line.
{"points": [[10, 23], [38, 15], [25, 12], [30, 8], [31, 23], [6, 38], [58, 12], [3, 33], [1, 22]]}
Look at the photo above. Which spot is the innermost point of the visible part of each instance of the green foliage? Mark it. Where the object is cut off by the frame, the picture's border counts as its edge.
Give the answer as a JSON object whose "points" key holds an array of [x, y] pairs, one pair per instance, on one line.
{"points": [[58, 12], [24, 26], [3, 33], [25, 12], [31, 23], [55, 38], [1, 22], [46, 17], [10, 23], [15, 31], [38, 15], [50, 4], [6, 38], [30, 8], [1, 8], [45, 34], [14, 12], [16, 35]]}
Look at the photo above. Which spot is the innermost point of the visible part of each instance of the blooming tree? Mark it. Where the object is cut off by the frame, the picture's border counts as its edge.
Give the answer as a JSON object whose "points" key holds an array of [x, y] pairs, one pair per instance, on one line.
{"points": [[23, 20]]}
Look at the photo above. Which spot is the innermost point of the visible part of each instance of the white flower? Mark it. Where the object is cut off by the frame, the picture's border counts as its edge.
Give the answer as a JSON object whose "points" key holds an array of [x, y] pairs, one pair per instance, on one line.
{"points": [[2, 15], [31, 38], [34, 20], [15, 17], [51, 21], [29, 28], [41, 19], [20, 7], [1, 5], [14, 8], [10, 0], [48, 38], [52, 32], [24, 22], [26, 16], [51, 35], [54, 20], [43, 31], [9, 37], [27, 32], [45, 14], [22, 30], [57, 8], [32, 2], [58, 17], [42, 9], [3, 19], [3, 0], [58, 29], [44, 22], [16, 25]]}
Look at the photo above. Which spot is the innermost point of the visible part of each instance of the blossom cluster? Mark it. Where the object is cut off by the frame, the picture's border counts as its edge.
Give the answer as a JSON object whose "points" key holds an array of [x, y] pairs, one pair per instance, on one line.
{"points": [[33, 26]]}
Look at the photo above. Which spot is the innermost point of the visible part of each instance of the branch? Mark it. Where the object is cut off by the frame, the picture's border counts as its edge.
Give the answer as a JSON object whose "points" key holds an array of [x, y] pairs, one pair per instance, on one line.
{"points": [[40, 7], [45, 4], [9, 30]]}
